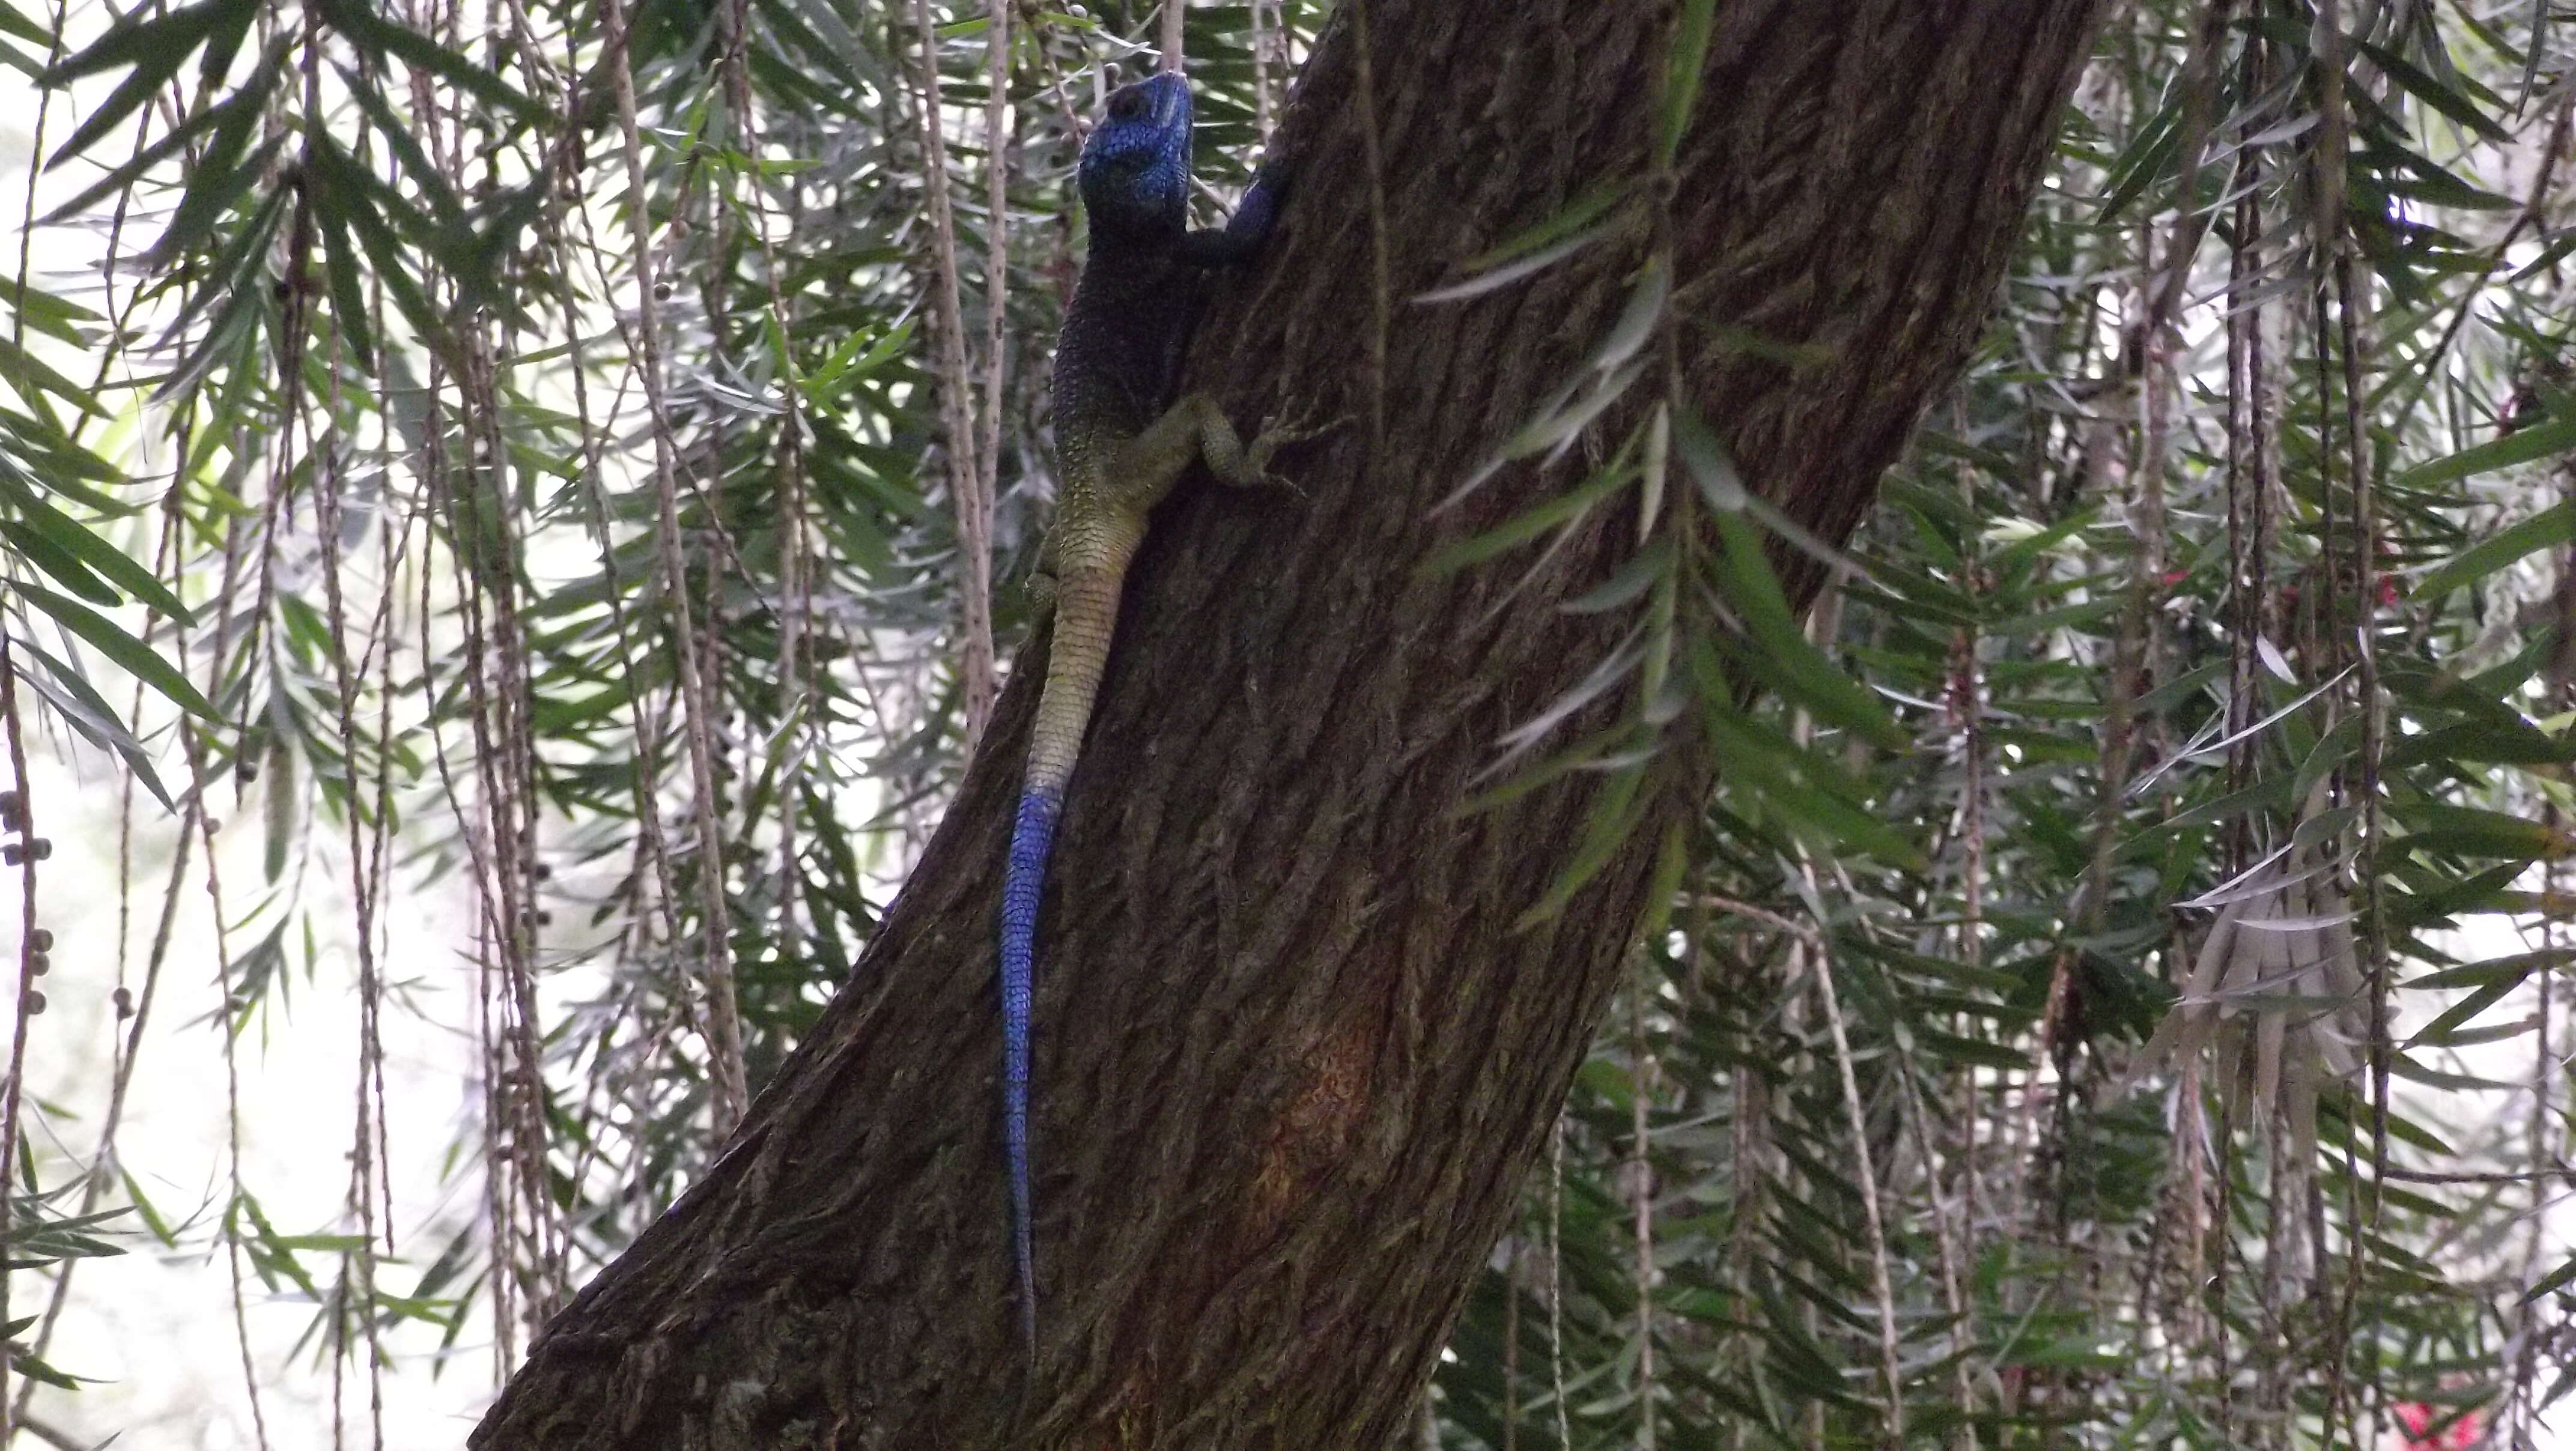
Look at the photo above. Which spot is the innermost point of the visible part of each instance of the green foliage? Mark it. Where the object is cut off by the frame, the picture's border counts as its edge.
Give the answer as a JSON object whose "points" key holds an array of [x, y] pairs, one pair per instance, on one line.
{"points": [[2062, 1035]]}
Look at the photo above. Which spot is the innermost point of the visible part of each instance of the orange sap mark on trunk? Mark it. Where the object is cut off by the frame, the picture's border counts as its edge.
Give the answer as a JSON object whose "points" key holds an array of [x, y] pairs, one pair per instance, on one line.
{"points": [[1129, 1422], [1314, 1131]]}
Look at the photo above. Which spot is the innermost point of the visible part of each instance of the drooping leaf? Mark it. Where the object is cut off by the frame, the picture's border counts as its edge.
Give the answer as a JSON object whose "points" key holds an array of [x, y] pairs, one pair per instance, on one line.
{"points": [[110, 639]]}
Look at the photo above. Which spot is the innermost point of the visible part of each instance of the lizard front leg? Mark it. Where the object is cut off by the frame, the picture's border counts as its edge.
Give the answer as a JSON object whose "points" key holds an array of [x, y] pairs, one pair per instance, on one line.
{"points": [[1195, 427]]}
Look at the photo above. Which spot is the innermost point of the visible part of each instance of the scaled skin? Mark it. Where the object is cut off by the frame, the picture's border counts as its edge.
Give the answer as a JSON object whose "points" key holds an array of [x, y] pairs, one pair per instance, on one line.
{"points": [[1121, 443]]}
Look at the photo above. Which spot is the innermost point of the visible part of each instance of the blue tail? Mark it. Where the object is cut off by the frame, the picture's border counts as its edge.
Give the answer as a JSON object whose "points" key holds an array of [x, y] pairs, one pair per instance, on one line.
{"points": [[1023, 882]]}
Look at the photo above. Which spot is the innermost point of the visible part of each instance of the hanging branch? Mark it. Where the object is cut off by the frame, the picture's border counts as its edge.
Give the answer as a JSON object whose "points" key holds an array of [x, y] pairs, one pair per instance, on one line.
{"points": [[1880, 1280], [368, 1147], [1556, 1277], [997, 281], [724, 1022], [560, 208], [17, 815], [132, 1009], [194, 741], [795, 585], [2332, 240], [2145, 364], [966, 473], [1641, 1190]]}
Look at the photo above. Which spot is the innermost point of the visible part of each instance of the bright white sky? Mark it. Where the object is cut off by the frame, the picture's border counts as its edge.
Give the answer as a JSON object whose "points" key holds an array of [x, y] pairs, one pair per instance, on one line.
{"points": [[156, 1326], [155, 1329]]}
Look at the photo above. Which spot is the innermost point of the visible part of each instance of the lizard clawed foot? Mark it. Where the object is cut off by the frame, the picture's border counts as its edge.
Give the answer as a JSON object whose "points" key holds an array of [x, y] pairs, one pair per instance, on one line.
{"points": [[1041, 597], [1275, 436]]}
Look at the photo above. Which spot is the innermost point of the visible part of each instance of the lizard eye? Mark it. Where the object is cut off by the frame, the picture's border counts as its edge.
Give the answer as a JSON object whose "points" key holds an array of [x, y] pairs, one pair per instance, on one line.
{"points": [[1126, 106]]}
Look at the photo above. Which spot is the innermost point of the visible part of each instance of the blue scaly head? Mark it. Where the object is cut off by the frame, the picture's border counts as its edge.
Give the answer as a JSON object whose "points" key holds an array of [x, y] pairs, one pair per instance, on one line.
{"points": [[1135, 171]]}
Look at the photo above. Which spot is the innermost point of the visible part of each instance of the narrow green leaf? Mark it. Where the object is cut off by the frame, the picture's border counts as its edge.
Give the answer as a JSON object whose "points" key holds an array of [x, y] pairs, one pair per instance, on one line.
{"points": [[1530, 523], [91, 716], [349, 192], [364, 27], [2555, 434], [2470, 831], [2150, 153], [2480, 974], [443, 204], [123, 177], [2555, 1280], [211, 193], [163, 40], [2439, 1032], [348, 287], [2414, 1072], [1513, 271], [1671, 863], [50, 557], [21, 62], [55, 316], [1682, 72], [1652, 566], [26, 1363], [2509, 742], [33, 375], [156, 48], [223, 42], [2552, 526], [2434, 93], [1575, 216], [17, 24], [110, 639], [1781, 653], [1616, 811], [1976, 1052]]}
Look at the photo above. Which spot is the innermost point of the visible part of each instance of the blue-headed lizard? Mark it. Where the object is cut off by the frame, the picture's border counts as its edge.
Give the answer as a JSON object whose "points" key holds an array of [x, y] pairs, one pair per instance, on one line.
{"points": [[1121, 442]]}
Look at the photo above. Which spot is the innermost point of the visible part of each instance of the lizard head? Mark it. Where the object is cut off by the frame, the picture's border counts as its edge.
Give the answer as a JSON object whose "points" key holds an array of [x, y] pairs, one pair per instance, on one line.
{"points": [[1136, 166]]}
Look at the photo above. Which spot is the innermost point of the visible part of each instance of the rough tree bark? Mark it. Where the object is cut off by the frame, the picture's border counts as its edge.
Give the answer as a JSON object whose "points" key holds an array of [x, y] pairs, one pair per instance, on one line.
{"points": [[1292, 1059]]}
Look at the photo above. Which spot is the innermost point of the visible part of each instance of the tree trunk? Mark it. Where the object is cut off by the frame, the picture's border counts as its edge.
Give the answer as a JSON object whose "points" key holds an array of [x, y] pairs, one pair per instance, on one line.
{"points": [[1293, 1058]]}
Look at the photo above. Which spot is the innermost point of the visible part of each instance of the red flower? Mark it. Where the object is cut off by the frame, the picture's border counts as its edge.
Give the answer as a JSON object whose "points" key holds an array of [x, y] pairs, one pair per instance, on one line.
{"points": [[2419, 1419]]}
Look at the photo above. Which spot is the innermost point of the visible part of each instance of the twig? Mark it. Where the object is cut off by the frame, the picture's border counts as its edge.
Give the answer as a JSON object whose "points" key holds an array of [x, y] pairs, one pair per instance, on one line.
{"points": [[1880, 1280], [19, 816], [974, 507], [1556, 1276], [1801, 930], [1641, 1187], [2427, 1176], [997, 281], [724, 1023]]}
